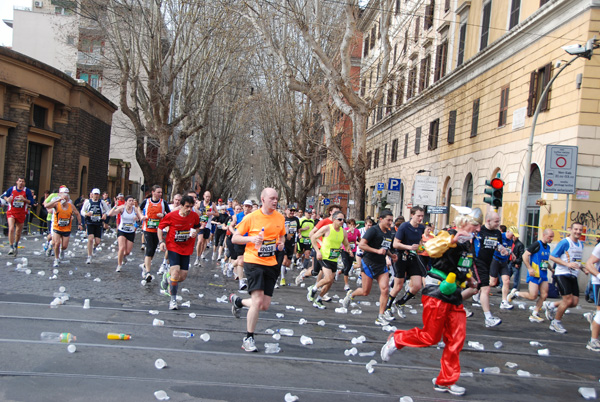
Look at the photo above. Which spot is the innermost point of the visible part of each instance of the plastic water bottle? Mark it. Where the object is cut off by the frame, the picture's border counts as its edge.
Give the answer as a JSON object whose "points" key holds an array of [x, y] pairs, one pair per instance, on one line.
{"points": [[490, 370], [182, 334], [262, 232], [118, 337], [64, 337]]}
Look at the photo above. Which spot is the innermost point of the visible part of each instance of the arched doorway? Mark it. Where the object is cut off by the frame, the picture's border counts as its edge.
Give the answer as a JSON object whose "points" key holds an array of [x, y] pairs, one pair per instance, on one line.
{"points": [[467, 196], [533, 210]]}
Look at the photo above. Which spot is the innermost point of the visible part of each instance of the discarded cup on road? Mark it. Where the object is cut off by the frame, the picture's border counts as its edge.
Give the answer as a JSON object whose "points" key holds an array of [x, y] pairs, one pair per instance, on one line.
{"points": [[161, 395], [587, 393], [406, 399], [160, 364], [290, 398], [511, 365], [306, 340], [186, 304], [358, 340], [476, 345], [497, 344], [302, 321], [192, 315], [544, 352], [523, 373], [86, 304], [351, 352], [205, 337], [286, 332], [72, 348], [321, 323], [158, 323], [279, 315], [370, 366]]}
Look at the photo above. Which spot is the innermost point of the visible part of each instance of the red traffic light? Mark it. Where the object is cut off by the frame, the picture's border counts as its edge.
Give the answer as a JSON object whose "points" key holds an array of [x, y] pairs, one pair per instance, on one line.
{"points": [[497, 184]]}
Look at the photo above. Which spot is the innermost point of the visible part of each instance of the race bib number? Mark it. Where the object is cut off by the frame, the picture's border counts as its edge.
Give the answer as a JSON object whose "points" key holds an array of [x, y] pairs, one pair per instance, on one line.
{"points": [[18, 203], [128, 228], [334, 253], [96, 218], [152, 223], [386, 244], [466, 261], [182, 235], [352, 245], [267, 249], [544, 266], [490, 242], [292, 229], [306, 240], [64, 222]]}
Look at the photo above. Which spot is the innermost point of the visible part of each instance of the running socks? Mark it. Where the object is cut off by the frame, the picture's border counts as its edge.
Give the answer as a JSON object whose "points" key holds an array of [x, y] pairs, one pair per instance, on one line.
{"points": [[173, 289], [407, 296], [390, 302], [238, 303], [250, 335]]}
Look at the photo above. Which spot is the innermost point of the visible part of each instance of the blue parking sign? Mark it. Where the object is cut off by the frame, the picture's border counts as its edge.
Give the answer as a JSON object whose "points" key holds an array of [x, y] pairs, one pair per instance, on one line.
{"points": [[394, 184], [380, 186]]}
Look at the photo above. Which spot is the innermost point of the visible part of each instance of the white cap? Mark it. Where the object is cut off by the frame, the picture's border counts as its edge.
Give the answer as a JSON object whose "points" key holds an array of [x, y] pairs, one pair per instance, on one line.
{"points": [[248, 202], [63, 190], [96, 191]]}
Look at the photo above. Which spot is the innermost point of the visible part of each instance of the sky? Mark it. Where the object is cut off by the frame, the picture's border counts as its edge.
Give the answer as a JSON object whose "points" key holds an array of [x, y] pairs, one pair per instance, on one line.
{"points": [[6, 13]]}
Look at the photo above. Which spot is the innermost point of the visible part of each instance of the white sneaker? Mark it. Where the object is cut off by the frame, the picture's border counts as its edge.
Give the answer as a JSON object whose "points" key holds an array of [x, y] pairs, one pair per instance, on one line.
{"points": [[347, 299], [400, 311], [388, 349], [549, 310], [326, 298], [173, 305], [492, 322], [476, 298], [214, 257], [469, 313], [249, 345], [55, 264], [243, 284], [505, 305], [453, 389], [119, 268], [535, 318], [512, 295], [388, 315], [346, 288], [88, 260], [557, 327], [381, 320], [300, 277], [197, 262]]}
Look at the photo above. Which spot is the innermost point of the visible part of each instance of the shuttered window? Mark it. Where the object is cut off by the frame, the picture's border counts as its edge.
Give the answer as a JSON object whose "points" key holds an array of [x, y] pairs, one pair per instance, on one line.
{"points": [[475, 118], [451, 126]]}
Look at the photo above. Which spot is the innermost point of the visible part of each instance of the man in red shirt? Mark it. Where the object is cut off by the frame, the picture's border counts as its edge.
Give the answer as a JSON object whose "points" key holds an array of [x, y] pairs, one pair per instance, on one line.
{"points": [[19, 199], [183, 225]]}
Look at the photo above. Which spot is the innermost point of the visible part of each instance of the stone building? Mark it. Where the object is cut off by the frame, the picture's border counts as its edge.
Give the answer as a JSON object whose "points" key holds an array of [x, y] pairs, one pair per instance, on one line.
{"points": [[468, 76], [54, 129]]}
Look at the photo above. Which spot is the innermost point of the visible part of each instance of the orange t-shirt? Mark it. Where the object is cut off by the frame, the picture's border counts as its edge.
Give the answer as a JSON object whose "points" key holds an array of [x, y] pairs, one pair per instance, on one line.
{"points": [[251, 225]]}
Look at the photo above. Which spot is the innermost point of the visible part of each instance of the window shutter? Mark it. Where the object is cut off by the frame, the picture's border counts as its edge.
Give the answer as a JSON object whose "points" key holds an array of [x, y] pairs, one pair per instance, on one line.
{"points": [[418, 141], [451, 126], [475, 119], [532, 92], [547, 75]]}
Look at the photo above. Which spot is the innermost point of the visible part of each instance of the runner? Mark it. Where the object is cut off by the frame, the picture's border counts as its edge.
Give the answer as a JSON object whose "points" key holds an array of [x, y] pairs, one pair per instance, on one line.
{"points": [[292, 223], [333, 236], [94, 210], [304, 245], [176, 202], [128, 214], [592, 266], [232, 248], [443, 313], [376, 244], [18, 198], [207, 211], [61, 228], [354, 236], [567, 259], [238, 249], [181, 236], [536, 261], [220, 222], [153, 209], [500, 269], [263, 233]]}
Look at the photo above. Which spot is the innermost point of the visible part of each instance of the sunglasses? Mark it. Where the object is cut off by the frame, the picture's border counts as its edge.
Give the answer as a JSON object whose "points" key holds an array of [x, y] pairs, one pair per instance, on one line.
{"points": [[340, 219]]}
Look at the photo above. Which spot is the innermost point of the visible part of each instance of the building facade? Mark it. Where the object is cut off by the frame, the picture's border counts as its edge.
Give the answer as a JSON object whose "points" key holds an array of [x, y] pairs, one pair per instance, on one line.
{"points": [[468, 77], [54, 130]]}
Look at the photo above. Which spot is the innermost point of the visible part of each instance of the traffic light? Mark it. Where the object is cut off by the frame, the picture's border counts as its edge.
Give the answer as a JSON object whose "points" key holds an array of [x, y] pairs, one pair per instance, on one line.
{"points": [[495, 191]]}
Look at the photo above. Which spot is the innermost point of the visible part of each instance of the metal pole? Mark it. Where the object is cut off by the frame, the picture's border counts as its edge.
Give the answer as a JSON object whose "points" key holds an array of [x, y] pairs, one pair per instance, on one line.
{"points": [[526, 174], [566, 211]]}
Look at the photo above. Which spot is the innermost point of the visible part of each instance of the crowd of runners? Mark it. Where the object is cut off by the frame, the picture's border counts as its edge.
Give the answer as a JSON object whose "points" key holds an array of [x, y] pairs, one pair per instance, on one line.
{"points": [[263, 247]]}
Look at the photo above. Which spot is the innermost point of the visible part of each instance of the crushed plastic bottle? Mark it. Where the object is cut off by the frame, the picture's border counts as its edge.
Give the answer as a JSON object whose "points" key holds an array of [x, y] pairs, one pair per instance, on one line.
{"points": [[97, 280], [302, 321], [587, 393], [290, 308], [272, 348], [286, 332], [298, 310], [222, 299], [360, 339], [351, 352], [467, 374], [476, 345], [356, 312], [370, 366], [490, 370], [306, 340], [498, 344], [544, 352], [182, 334], [64, 337], [269, 331], [342, 326], [511, 365], [161, 395], [321, 323], [153, 312], [192, 315], [158, 323], [160, 364], [279, 315], [290, 398], [341, 310], [186, 304], [523, 373], [41, 273], [389, 328], [535, 343], [367, 354], [205, 337]]}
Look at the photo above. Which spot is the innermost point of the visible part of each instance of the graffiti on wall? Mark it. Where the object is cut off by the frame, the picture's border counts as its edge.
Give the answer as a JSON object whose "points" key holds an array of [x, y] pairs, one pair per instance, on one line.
{"points": [[587, 218]]}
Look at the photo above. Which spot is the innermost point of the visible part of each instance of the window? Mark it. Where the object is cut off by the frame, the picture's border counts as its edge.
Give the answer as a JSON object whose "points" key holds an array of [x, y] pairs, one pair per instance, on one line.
{"points": [[366, 49], [418, 141], [417, 26], [468, 191], [369, 157], [475, 118], [434, 128], [425, 67], [373, 36], [39, 116], [538, 81], [390, 100], [405, 44], [515, 8], [380, 109], [376, 159], [451, 126], [405, 146], [412, 80], [429, 15], [394, 155], [440, 61], [461, 44], [93, 79], [397, 8], [485, 25], [400, 92], [503, 107], [542, 2], [384, 155], [447, 6], [362, 87]]}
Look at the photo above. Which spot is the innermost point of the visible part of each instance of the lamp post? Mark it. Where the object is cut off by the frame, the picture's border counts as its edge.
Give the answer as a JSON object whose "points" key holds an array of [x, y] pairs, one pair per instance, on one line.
{"points": [[577, 51]]}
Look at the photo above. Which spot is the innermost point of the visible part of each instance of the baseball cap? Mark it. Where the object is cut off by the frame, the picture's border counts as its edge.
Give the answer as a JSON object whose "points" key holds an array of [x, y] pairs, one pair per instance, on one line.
{"points": [[120, 195], [96, 191], [248, 202], [220, 200], [308, 210], [292, 208], [63, 189]]}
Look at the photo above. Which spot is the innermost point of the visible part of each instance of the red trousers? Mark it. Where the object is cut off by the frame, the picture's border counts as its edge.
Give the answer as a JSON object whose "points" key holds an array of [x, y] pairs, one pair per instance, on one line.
{"points": [[439, 318]]}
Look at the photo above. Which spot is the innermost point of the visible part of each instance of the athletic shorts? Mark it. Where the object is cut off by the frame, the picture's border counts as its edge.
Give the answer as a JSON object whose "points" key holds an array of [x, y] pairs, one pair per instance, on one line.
{"points": [[595, 295], [205, 232], [407, 266], [213, 228], [332, 265], [183, 261], [130, 236], [348, 261], [220, 237], [482, 275], [303, 247], [373, 271], [538, 281], [95, 230], [288, 249], [499, 268], [62, 234], [261, 277], [18, 217], [151, 239], [232, 248], [567, 285]]}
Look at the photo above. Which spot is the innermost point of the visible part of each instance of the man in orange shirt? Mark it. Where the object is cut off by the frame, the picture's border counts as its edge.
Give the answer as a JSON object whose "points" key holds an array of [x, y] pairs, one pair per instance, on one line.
{"points": [[263, 234]]}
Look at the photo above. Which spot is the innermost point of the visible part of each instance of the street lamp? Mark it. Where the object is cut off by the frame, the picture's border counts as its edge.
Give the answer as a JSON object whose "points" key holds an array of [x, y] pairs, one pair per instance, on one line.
{"points": [[574, 50]]}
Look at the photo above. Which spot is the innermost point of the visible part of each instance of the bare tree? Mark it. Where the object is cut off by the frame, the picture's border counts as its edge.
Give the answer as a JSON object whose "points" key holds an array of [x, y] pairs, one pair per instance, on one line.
{"points": [[329, 30]]}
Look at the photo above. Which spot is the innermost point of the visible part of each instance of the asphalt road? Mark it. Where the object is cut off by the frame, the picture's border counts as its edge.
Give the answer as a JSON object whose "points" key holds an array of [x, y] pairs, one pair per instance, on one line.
{"points": [[219, 370]]}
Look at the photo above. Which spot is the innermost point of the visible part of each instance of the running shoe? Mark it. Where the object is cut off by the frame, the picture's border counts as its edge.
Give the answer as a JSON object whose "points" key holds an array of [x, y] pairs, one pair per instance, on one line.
{"points": [[282, 282], [400, 311], [49, 252], [143, 247], [319, 304], [229, 270], [235, 310], [346, 288], [300, 277], [589, 316], [173, 305], [243, 284], [311, 293], [197, 262], [492, 322], [11, 251], [534, 317], [453, 389], [88, 260], [593, 345], [119, 268], [512, 295], [248, 345], [505, 305], [476, 298], [381, 320], [148, 277], [326, 298], [468, 312], [388, 315], [55, 264], [549, 310], [388, 349], [557, 327], [347, 299]]}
